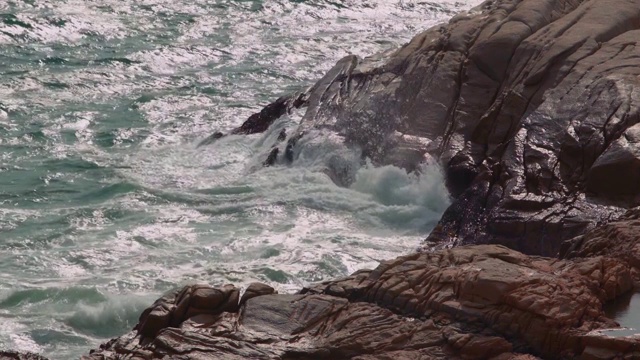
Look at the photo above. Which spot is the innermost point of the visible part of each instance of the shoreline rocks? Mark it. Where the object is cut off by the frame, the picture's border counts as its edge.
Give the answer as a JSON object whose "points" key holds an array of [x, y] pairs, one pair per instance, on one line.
{"points": [[469, 302], [531, 107]]}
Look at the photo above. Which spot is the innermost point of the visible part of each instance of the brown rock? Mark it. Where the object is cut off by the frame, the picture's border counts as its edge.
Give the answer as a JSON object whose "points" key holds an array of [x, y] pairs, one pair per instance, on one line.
{"points": [[157, 319], [475, 302], [530, 106], [11, 355], [256, 289], [207, 298]]}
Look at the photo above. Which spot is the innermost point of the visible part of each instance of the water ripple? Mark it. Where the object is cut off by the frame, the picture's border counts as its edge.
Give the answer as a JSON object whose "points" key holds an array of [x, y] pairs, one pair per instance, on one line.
{"points": [[105, 200]]}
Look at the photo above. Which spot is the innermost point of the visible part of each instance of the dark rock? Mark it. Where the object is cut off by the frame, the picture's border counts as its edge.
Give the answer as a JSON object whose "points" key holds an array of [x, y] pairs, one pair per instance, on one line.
{"points": [[260, 121], [476, 302], [207, 298], [255, 290], [530, 107], [616, 173], [272, 158], [211, 139], [157, 319], [617, 239]]}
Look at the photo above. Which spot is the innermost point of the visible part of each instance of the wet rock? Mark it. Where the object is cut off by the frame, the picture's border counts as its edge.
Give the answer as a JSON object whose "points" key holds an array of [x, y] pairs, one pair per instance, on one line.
{"points": [[616, 173], [617, 239], [174, 308], [260, 121], [530, 106], [255, 290], [475, 302]]}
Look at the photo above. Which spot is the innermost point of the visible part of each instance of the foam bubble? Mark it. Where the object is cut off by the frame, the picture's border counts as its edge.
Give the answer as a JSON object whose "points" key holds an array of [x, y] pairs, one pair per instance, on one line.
{"points": [[413, 200], [109, 318], [106, 197]]}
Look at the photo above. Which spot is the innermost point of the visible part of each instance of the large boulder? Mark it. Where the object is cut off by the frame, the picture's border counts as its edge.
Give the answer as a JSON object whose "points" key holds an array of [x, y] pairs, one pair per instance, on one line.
{"points": [[530, 107], [474, 302]]}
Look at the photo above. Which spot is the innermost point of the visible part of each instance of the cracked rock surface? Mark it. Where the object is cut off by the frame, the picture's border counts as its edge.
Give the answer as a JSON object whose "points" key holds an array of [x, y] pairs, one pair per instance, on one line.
{"points": [[470, 302], [530, 106]]}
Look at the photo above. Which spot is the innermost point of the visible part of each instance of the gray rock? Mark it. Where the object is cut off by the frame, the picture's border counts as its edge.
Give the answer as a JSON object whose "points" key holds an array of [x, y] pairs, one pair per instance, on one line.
{"points": [[11, 355]]}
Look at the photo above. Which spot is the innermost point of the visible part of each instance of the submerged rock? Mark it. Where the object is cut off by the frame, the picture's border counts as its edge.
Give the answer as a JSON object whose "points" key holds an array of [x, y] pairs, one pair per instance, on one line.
{"points": [[530, 106], [473, 302]]}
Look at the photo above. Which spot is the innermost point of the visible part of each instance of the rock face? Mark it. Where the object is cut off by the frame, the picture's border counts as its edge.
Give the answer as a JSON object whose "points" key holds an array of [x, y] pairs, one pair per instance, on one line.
{"points": [[617, 239], [475, 302], [530, 106]]}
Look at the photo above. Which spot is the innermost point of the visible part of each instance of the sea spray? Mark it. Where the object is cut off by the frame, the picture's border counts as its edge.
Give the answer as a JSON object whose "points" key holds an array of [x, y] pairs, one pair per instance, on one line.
{"points": [[413, 201], [106, 201]]}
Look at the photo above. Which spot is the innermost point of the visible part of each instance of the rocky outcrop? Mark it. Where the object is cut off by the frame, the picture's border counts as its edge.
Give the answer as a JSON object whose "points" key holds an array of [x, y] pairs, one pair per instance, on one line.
{"points": [[530, 106], [617, 239], [476, 302]]}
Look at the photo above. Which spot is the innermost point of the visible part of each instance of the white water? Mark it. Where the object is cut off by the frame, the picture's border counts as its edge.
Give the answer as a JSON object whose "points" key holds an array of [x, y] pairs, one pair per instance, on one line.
{"points": [[105, 199]]}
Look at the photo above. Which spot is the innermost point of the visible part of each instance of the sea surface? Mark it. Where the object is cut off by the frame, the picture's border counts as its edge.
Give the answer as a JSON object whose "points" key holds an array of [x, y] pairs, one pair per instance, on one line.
{"points": [[106, 201]]}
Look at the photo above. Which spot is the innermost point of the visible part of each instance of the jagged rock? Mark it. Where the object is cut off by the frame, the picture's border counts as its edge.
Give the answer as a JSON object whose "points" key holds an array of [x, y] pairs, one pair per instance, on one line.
{"points": [[530, 106], [255, 290], [617, 239], [174, 308], [476, 302]]}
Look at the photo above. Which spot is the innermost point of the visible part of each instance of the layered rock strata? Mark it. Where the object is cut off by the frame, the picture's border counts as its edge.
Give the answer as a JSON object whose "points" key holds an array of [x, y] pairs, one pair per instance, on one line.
{"points": [[473, 302], [530, 106]]}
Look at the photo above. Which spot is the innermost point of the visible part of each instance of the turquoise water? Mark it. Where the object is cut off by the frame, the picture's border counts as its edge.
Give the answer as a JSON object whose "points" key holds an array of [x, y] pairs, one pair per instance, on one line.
{"points": [[105, 200]]}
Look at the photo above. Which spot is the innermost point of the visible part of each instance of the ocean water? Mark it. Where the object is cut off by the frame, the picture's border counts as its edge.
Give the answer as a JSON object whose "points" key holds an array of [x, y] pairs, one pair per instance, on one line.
{"points": [[106, 202], [626, 311]]}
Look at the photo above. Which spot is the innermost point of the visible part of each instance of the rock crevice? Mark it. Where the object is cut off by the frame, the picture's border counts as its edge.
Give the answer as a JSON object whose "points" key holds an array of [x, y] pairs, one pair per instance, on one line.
{"points": [[528, 105], [531, 108], [470, 302]]}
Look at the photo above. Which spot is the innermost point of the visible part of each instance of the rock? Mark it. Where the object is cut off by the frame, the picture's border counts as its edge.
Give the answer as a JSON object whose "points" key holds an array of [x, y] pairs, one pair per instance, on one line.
{"points": [[621, 157], [260, 121], [473, 302], [174, 308], [255, 290], [530, 106], [617, 239]]}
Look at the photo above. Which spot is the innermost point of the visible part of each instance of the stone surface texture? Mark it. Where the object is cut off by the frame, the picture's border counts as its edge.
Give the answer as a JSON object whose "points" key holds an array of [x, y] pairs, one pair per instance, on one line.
{"points": [[531, 107], [470, 302], [11, 355]]}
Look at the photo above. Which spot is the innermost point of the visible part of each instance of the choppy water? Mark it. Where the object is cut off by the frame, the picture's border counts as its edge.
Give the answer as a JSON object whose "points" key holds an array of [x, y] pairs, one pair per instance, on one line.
{"points": [[105, 200]]}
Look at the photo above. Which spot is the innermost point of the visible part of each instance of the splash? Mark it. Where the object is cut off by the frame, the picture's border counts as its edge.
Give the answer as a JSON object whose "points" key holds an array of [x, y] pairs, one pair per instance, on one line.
{"points": [[105, 201]]}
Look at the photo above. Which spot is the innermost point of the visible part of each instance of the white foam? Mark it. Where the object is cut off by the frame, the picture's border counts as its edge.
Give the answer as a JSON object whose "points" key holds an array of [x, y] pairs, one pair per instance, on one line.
{"points": [[15, 337], [180, 71]]}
